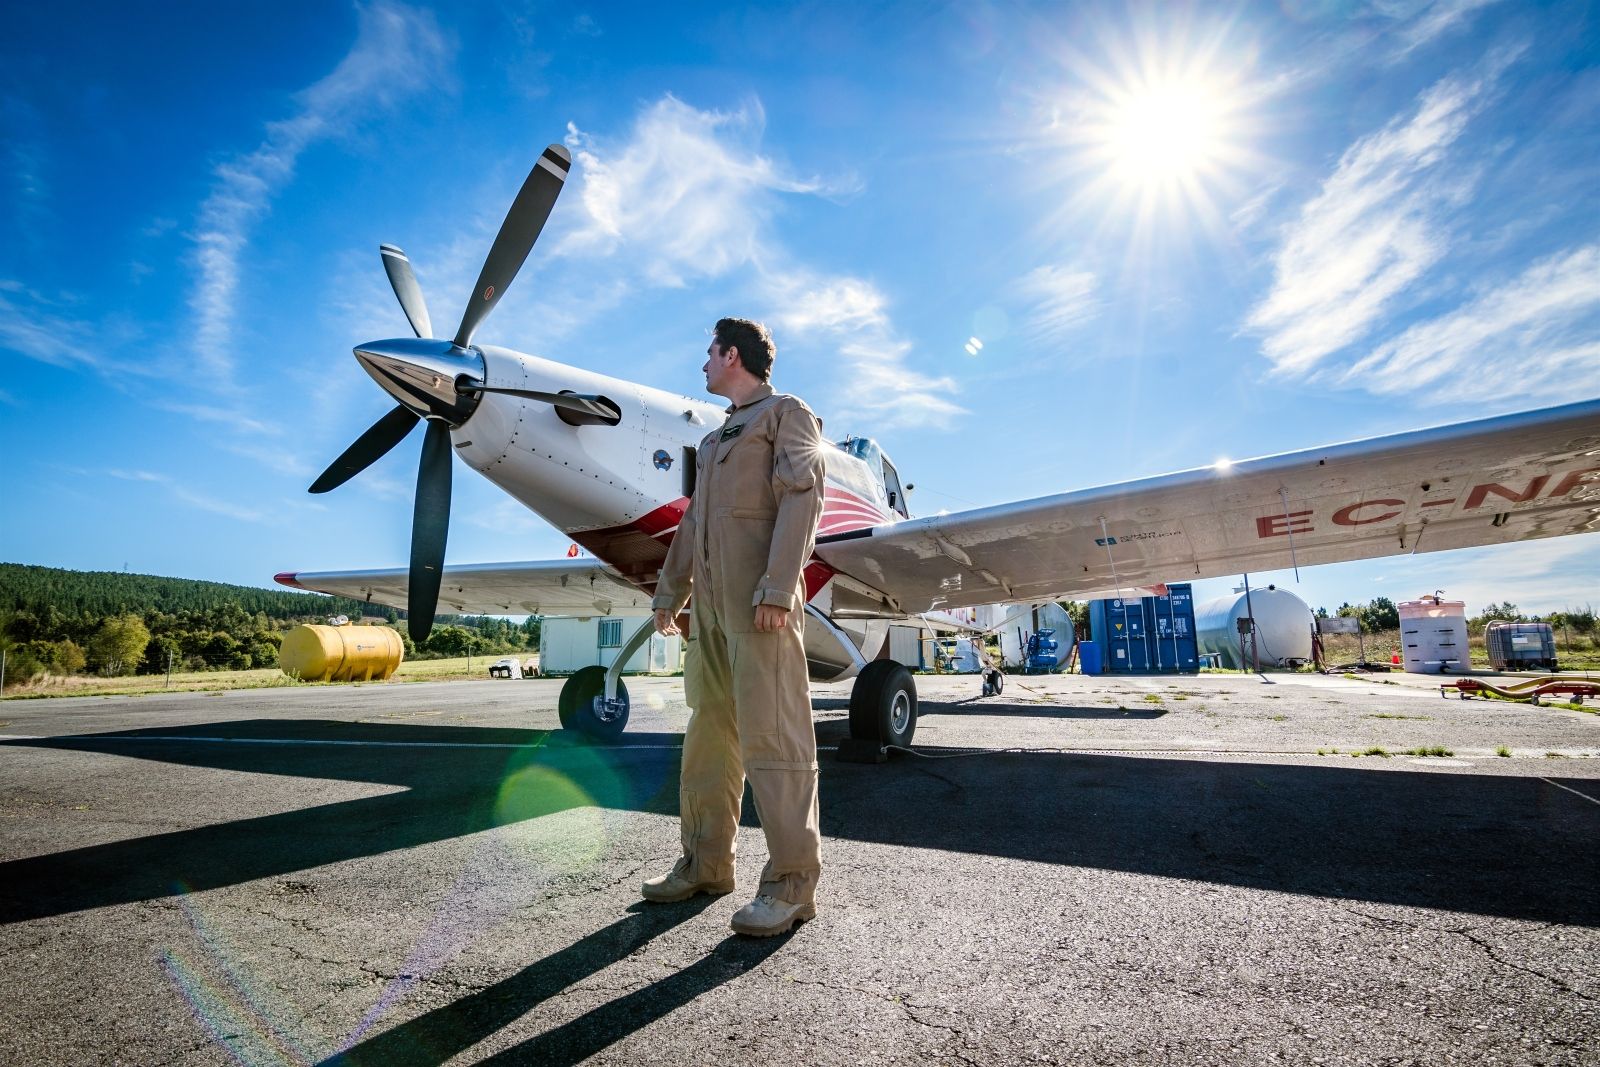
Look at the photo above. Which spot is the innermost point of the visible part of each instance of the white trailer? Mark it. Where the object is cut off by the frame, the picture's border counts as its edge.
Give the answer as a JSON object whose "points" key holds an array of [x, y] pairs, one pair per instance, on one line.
{"points": [[567, 645]]}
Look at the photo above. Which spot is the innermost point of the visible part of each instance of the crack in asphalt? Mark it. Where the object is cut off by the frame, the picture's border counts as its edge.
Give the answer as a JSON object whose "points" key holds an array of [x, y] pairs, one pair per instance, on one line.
{"points": [[1489, 951], [1466, 932], [907, 1007]]}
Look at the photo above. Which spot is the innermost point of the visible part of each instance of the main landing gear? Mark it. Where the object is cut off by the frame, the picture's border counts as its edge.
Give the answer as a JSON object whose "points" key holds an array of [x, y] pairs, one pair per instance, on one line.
{"points": [[883, 704], [583, 705]]}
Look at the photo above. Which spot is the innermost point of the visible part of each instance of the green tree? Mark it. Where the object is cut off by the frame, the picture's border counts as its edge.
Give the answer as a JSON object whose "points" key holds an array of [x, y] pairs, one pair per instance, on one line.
{"points": [[67, 657], [22, 663], [1505, 611], [450, 641], [1380, 614], [119, 644], [263, 652], [162, 649]]}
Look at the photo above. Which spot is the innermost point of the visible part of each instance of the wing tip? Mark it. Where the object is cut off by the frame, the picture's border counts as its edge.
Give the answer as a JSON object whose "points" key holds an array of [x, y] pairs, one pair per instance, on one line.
{"points": [[288, 578]]}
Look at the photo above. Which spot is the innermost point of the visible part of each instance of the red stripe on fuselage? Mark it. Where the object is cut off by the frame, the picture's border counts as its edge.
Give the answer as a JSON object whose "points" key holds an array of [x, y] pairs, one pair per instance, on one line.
{"points": [[637, 549]]}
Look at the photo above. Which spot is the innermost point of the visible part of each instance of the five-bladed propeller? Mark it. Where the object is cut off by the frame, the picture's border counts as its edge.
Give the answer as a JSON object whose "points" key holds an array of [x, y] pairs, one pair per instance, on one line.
{"points": [[441, 382]]}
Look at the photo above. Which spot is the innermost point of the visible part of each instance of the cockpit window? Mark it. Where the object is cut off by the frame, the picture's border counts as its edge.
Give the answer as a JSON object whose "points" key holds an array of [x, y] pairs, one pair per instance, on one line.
{"points": [[881, 471]]}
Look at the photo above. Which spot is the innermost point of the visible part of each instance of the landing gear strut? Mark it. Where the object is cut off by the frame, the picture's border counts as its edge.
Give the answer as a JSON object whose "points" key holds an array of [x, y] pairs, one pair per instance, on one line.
{"points": [[883, 704]]}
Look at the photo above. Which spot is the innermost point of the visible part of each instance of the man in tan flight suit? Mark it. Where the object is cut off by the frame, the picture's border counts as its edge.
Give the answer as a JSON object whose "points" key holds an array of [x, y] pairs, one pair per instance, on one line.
{"points": [[742, 546]]}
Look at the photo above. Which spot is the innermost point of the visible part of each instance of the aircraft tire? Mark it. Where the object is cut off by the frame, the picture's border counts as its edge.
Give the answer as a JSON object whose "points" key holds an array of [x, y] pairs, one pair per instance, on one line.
{"points": [[883, 704], [576, 705]]}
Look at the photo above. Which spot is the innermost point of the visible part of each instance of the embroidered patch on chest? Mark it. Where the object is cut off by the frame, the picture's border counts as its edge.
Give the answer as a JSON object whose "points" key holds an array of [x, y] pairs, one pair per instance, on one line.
{"points": [[730, 432]]}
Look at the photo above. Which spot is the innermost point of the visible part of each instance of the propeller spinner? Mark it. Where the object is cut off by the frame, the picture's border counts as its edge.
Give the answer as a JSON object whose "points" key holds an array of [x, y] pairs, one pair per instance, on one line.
{"points": [[442, 382]]}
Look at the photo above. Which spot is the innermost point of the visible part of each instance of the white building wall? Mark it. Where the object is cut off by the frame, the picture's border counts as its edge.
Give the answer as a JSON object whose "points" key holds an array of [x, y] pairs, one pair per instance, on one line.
{"points": [[568, 645]]}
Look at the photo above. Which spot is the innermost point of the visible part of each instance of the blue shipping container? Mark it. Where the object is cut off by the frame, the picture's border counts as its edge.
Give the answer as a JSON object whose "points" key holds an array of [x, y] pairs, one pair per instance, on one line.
{"points": [[1151, 634]]}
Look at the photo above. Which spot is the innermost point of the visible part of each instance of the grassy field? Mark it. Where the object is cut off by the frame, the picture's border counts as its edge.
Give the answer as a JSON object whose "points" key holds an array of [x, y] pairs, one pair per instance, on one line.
{"points": [[425, 670]]}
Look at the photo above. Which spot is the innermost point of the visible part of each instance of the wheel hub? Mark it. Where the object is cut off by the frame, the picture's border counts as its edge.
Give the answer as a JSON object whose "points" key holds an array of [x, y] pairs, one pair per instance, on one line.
{"points": [[900, 710]]}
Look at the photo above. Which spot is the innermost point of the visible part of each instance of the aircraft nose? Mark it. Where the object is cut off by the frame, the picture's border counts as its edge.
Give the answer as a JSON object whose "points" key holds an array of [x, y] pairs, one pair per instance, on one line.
{"points": [[421, 373]]}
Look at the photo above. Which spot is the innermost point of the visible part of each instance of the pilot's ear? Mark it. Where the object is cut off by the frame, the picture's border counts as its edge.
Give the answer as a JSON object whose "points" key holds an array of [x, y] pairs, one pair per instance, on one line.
{"points": [[731, 352]]}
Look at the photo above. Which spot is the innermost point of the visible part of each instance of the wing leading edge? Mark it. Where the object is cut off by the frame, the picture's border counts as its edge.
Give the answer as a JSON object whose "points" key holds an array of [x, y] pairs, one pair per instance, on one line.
{"points": [[1511, 478], [551, 587]]}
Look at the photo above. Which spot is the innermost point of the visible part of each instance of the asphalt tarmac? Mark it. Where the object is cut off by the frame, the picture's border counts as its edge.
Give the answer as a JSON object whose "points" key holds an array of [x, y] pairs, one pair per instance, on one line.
{"points": [[1167, 873]]}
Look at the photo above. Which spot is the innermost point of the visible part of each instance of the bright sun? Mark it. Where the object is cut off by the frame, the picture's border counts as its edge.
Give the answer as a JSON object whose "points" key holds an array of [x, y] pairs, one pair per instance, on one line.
{"points": [[1161, 132], [1164, 133]]}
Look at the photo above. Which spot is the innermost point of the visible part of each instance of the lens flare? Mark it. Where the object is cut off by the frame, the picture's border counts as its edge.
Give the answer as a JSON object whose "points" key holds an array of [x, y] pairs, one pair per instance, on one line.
{"points": [[235, 1011]]}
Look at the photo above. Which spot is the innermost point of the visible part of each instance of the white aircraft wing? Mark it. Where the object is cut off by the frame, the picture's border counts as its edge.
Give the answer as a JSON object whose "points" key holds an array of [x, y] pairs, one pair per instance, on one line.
{"points": [[1512, 478], [579, 587]]}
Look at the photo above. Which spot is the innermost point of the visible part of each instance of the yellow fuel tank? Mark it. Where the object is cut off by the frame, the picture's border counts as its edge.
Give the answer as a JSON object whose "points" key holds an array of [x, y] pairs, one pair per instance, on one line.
{"points": [[340, 653]]}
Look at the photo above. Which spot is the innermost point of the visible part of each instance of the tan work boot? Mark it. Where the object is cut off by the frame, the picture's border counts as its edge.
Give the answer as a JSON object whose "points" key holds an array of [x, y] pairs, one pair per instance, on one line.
{"points": [[673, 886], [767, 915]]}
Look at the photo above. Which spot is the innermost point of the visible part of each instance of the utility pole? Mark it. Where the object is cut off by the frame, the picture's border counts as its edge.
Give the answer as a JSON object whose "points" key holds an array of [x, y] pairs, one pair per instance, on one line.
{"points": [[169, 668], [1250, 610], [2, 672]]}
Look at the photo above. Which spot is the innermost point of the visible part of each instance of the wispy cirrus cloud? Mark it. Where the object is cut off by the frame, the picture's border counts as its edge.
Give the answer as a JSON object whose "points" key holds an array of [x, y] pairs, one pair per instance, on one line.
{"points": [[398, 52], [1421, 23], [688, 192], [850, 315], [1537, 335], [1056, 300], [689, 196], [189, 496], [23, 167], [1375, 227]]}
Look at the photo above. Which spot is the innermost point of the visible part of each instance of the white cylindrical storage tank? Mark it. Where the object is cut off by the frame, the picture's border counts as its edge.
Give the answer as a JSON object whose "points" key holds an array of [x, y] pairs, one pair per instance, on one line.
{"points": [[1283, 627], [1433, 635], [1018, 627]]}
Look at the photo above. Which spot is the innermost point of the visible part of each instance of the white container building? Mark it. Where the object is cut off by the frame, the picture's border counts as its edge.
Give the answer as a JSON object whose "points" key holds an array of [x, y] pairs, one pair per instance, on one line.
{"points": [[1433, 635], [568, 645], [1282, 621]]}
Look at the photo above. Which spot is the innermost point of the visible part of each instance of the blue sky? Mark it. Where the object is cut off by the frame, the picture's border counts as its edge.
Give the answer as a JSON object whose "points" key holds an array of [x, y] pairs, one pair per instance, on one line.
{"points": [[1181, 233]]}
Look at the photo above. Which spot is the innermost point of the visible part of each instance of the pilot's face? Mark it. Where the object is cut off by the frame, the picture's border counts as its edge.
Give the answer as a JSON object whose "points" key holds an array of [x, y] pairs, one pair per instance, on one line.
{"points": [[719, 367]]}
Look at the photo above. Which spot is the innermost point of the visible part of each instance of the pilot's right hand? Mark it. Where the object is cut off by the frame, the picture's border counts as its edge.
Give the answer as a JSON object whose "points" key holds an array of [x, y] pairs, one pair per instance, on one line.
{"points": [[666, 624]]}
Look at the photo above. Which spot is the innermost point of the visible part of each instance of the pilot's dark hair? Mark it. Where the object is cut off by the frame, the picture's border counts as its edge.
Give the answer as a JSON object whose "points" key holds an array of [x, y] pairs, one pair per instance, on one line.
{"points": [[756, 350]]}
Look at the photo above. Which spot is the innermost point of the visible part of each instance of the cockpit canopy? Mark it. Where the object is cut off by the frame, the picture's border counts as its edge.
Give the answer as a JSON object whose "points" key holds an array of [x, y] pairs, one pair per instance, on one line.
{"points": [[882, 471]]}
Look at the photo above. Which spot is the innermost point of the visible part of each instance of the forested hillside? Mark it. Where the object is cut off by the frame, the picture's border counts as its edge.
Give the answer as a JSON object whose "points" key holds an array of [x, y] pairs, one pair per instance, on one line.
{"points": [[64, 622], [99, 594]]}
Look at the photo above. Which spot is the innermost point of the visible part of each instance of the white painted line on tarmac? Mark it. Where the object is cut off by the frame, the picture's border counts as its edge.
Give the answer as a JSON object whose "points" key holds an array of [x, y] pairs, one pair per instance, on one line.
{"points": [[1571, 790]]}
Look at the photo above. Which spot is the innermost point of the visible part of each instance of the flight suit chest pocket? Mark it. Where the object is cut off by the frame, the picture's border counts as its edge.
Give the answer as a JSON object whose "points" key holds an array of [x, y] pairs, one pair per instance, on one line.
{"points": [[744, 469]]}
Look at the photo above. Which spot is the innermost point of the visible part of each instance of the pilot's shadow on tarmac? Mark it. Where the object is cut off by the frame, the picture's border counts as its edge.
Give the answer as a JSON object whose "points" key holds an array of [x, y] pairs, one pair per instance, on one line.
{"points": [[437, 1035]]}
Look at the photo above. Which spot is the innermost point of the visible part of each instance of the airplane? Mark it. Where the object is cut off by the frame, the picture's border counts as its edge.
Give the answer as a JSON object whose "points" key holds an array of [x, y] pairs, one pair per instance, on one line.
{"points": [[611, 463]]}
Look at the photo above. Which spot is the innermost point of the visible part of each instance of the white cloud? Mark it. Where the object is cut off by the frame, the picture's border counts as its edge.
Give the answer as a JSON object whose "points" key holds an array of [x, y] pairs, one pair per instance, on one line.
{"points": [[1372, 231], [1059, 300], [30, 329], [189, 496], [235, 420], [1427, 21], [851, 315], [1538, 335], [688, 196], [835, 304], [397, 52], [1549, 574]]}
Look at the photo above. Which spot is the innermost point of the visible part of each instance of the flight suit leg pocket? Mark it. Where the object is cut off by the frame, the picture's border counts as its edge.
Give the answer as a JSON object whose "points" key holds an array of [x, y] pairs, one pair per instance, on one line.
{"points": [[693, 671], [756, 677]]}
